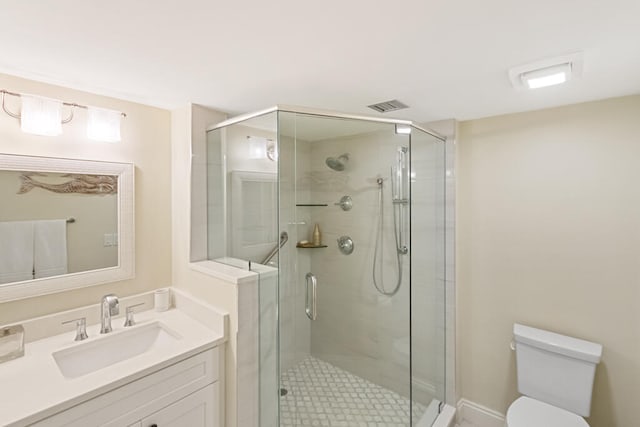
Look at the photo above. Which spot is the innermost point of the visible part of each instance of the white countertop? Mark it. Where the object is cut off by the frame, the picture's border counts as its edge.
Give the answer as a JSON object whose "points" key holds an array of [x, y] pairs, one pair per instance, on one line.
{"points": [[32, 387]]}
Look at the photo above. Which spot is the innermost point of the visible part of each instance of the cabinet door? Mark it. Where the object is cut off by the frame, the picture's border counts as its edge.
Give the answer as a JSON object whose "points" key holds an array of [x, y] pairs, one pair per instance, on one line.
{"points": [[196, 410], [133, 401]]}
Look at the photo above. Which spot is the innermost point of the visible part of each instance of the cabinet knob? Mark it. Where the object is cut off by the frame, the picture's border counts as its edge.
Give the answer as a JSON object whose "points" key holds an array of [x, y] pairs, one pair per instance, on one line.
{"points": [[153, 425]]}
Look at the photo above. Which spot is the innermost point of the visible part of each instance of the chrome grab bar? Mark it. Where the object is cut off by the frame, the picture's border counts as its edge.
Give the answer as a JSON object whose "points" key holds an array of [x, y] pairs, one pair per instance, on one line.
{"points": [[311, 308], [284, 237]]}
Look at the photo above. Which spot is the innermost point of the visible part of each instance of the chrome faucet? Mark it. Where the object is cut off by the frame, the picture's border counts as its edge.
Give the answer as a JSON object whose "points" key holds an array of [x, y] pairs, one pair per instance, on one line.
{"points": [[109, 307]]}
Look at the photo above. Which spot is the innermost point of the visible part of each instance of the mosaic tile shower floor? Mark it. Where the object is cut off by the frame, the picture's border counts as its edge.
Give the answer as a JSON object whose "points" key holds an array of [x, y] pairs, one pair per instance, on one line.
{"points": [[320, 394]]}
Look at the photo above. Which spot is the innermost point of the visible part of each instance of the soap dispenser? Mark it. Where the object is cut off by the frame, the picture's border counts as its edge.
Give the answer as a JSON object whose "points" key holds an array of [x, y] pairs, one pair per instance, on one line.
{"points": [[316, 237]]}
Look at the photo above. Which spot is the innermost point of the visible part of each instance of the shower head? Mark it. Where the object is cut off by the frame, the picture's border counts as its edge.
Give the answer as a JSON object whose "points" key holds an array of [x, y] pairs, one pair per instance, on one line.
{"points": [[338, 163]]}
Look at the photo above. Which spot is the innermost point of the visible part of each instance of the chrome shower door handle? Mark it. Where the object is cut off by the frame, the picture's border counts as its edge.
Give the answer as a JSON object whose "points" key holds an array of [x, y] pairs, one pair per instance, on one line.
{"points": [[310, 306]]}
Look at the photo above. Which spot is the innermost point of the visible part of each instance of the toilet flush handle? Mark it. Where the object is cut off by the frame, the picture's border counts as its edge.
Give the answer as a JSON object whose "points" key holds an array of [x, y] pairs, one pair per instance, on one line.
{"points": [[512, 345]]}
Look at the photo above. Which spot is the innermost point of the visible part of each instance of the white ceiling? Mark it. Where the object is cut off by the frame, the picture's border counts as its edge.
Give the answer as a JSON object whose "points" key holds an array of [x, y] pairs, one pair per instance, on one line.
{"points": [[445, 59]]}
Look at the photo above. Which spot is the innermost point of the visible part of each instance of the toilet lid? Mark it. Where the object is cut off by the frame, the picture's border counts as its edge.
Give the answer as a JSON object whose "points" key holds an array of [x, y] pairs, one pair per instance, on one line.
{"points": [[527, 412]]}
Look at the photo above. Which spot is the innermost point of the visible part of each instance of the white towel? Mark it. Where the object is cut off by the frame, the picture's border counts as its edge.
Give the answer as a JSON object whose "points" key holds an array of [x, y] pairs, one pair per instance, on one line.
{"points": [[50, 248], [16, 251]]}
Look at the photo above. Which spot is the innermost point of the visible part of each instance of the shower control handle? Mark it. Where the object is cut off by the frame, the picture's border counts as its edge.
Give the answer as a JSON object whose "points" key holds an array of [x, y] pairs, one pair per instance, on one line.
{"points": [[345, 203], [345, 245], [310, 306]]}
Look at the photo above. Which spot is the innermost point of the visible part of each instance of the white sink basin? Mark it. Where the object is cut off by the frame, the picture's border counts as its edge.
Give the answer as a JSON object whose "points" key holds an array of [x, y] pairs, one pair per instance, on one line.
{"points": [[106, 350]]}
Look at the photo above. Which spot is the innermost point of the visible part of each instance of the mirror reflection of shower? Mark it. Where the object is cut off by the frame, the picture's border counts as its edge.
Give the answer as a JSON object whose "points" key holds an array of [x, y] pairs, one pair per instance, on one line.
{"points": [[400, 200], [338, 163]]}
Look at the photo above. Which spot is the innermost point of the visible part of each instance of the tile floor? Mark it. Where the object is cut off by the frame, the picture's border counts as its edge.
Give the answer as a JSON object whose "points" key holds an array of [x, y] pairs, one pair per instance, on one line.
{"points": [[320, 394]]}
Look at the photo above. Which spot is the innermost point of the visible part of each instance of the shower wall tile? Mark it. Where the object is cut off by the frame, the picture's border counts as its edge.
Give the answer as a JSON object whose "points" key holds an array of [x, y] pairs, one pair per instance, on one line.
{"points": [[359, 329]]}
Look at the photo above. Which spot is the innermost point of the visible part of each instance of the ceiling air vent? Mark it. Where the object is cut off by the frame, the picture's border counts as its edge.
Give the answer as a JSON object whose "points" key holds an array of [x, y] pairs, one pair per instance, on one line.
{"points": [[385, 107]]}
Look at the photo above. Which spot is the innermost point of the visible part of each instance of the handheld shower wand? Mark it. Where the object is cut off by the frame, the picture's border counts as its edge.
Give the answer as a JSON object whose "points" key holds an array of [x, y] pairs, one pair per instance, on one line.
{"points": [[399, 199]]}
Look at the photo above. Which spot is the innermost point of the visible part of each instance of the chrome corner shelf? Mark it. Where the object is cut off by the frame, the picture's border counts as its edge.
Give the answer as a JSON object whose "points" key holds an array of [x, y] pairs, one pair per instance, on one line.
{"points": [[310, 246]]}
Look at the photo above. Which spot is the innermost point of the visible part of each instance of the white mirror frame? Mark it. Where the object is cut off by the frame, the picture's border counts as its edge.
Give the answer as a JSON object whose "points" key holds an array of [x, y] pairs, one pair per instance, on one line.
{"points": [[126, 239]]}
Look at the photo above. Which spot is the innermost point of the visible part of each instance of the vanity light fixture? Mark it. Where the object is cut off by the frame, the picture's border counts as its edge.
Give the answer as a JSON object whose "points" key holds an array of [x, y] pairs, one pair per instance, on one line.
{"points": [[103, 124], [43, 116], [257, 147], [272, 150], [547, 72], [262, 148]]}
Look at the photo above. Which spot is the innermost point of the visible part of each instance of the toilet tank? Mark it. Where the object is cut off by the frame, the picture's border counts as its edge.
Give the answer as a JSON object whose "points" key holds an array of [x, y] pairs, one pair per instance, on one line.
{"points": [[555, 368]]}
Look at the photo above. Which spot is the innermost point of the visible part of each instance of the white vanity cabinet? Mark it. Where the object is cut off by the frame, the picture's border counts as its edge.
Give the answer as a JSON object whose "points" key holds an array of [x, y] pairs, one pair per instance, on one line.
{"points": [[196, 410], [184, 394]]}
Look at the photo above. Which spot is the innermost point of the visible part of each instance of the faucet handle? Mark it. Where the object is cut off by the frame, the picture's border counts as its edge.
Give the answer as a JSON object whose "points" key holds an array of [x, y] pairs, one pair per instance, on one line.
{"points": [[130, 321], [81, 328]]}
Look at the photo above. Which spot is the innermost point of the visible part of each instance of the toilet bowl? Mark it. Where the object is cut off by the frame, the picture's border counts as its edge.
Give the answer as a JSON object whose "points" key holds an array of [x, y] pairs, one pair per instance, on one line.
{"points": [[527, 412], [555, 376]]}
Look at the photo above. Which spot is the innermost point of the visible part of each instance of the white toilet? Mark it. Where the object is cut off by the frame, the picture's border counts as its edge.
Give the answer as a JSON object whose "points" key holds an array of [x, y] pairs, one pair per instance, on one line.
{"points": [[555, 375]]}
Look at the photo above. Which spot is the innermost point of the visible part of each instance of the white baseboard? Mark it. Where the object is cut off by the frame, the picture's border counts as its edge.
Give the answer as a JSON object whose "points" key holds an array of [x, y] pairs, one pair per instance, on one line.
{"points": [[478, 415]]}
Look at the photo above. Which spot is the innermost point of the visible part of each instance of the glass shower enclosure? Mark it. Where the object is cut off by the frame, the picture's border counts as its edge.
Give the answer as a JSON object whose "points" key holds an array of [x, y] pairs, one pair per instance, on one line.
{"points": [[348, 214]]}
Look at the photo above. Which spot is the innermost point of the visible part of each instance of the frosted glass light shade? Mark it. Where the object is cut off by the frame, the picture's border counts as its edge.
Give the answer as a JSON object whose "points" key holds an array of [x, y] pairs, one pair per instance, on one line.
{"points": [[103, 124], [272, 150], [257, 147], [41, 116]]}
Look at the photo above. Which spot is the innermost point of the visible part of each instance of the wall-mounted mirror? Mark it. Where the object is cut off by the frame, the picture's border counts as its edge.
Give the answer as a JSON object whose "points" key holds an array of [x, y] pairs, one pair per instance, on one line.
{"points": [[64, 224]]}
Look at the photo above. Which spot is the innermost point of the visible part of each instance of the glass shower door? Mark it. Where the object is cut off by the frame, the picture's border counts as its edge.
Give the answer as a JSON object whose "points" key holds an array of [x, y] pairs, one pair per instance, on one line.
{"points": [[428, 354], [349, 328], [346, 362]]}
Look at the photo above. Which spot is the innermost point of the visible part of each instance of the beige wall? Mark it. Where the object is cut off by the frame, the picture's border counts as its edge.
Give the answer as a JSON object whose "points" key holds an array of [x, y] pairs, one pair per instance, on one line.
{"points": [[146, 142], [190, 123], [549, 235]]}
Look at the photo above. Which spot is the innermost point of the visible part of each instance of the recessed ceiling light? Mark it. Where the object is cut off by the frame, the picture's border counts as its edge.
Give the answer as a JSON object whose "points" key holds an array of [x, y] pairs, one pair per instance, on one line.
{"points": [[547, 72], [549, 76]]}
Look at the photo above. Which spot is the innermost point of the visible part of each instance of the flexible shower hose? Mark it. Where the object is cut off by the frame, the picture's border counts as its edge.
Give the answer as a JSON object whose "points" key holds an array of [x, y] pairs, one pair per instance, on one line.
{"points": [[379, 235]]}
